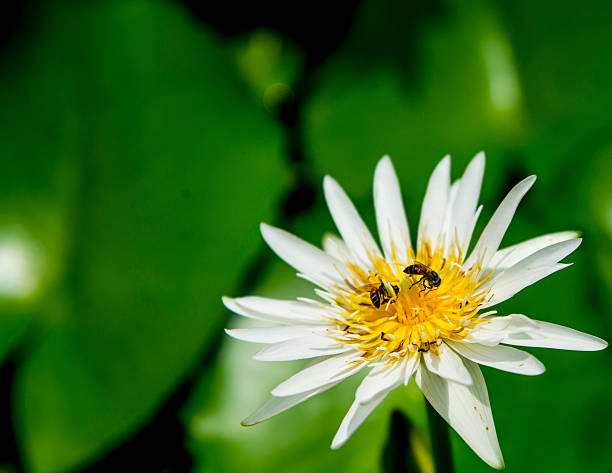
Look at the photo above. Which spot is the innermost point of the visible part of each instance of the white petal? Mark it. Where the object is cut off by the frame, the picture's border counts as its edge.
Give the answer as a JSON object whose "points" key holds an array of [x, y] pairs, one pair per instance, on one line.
{"points": [[327, 371], [492, 330], [434, 206], [276, 405], [382, 377], [448, 229], [390, 214], [309, 346], [412, 363], [511, 255], [528, 271], [269, 334], [447, 364], [355, 417], [276, 310], [466, 409], [306, 258], [336, 247], [492, 235], [500, 357], [549, 335], [350, 225], [466, 201], [470, 231], [517, 329]]}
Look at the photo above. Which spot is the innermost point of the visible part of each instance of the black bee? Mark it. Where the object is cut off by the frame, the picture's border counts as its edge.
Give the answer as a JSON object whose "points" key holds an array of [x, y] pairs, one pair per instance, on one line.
{"points": [[384, 293], [430, 279]]}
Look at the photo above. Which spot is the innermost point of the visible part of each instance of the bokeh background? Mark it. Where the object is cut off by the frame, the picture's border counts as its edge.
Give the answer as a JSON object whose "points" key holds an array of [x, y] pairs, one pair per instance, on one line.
{"points": [[141, 143]]}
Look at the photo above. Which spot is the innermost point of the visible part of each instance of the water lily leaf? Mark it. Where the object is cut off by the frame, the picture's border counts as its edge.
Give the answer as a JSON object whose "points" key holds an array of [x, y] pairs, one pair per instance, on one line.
{"points": [[168, 157], [451, 88]]}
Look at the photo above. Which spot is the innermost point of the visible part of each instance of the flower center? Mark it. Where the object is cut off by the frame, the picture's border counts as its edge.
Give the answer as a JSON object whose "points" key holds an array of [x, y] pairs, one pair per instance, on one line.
{"points": [[388, 312]]}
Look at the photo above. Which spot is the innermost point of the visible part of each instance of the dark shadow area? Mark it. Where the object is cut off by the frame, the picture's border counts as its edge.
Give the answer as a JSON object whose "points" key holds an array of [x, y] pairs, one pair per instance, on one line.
{"points": [[398, 455], [8, 444]]}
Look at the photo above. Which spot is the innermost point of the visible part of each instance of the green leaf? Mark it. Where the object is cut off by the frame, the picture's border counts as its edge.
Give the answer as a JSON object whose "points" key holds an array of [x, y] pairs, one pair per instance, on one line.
{"points": [[435, 93], [269, 65], [167, 164]]}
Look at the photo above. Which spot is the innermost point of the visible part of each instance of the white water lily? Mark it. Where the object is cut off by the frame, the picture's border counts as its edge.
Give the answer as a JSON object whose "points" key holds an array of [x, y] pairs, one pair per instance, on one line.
{"points": [[374, 312]]}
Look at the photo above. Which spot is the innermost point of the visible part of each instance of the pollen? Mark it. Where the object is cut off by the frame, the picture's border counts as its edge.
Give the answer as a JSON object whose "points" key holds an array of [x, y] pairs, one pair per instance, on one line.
{"points": [[416, 317]]}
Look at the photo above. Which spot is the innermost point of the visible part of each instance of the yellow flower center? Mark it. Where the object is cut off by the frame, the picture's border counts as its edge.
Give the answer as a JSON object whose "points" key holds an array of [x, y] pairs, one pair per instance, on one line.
{"points": [[412, 315]]}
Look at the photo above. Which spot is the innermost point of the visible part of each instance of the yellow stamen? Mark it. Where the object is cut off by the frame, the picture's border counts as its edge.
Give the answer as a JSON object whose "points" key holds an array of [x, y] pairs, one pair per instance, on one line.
{"points": [[415, 319]]}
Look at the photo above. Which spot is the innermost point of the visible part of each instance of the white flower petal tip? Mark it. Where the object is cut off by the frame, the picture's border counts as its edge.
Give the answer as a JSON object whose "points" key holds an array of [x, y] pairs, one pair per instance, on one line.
{"points": [[335, 246], [462, 210], [353, 230], [276, 405], [557, 336], [511, 255], [390, 215], [528, 271], [435, 204], [270, 334], [492, 235], [384, 165], [520, 330], [597, 344], [229, 303], [356, 415], [309, 346], [276, 310], [466, 409], [313, 262]]}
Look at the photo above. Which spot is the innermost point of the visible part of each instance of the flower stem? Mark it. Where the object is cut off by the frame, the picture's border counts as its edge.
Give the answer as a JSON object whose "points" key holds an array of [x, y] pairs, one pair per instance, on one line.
{"points": [[399, 455], [440, 441]]}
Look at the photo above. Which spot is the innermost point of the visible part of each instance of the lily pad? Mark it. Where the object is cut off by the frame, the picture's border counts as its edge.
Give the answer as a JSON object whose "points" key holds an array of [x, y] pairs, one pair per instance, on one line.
{"points": [[165, 159]]}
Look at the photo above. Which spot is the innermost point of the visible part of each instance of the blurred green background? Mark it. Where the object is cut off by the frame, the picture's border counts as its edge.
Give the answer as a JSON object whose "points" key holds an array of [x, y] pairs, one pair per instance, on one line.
{"points": [[141, 143]]}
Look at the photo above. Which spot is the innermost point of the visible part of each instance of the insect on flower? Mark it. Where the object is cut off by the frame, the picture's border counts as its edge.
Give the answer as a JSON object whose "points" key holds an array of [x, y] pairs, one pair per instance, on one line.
{"points": [[385, 293], [430, 279], [371, 314]]}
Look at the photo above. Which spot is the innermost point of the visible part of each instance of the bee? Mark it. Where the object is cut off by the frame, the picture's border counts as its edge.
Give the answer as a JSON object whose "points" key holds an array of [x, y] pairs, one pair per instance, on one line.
{"points": [[430, 279], [386, 292]]}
